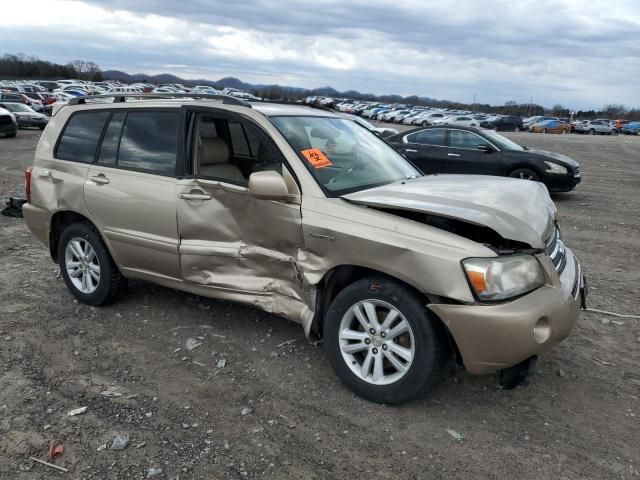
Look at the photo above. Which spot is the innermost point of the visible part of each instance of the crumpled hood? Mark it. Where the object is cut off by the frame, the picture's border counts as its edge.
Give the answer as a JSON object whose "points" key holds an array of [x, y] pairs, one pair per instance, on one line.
{"points": [[518, 210], [563, 159]]}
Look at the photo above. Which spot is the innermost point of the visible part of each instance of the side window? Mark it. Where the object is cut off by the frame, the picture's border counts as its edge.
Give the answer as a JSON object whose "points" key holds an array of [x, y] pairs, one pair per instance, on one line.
{"points": [[231, 150], [80, 138], [464, 139], [430, 137], [239, 141], [150, 142], [109, 148]]}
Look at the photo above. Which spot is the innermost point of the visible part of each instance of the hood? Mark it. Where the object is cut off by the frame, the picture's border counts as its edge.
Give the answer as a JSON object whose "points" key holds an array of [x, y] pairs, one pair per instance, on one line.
{"points": [[516, 209], [563, 159]]}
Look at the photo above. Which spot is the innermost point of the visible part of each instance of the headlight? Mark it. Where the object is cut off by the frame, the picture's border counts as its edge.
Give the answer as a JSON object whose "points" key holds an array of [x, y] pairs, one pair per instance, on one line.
{"points": [[555, 168], [501, 278]]}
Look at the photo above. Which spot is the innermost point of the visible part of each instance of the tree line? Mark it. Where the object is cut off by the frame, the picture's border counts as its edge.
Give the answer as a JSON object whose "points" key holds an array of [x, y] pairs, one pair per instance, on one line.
{"points": [[21, 67]]}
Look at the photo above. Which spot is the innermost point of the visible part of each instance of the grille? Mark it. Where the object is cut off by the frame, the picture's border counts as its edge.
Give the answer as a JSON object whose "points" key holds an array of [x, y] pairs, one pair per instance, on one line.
{"points": [[554, 247]]}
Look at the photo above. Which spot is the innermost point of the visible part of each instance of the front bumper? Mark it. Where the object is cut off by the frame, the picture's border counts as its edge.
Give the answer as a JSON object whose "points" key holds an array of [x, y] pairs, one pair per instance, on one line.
{"points": [[561, 182], [495, 337], [8, 128]]}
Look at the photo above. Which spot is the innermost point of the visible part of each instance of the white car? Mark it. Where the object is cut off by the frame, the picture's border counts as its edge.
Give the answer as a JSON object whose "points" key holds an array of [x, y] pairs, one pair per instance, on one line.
{"points": [[459, 120]]}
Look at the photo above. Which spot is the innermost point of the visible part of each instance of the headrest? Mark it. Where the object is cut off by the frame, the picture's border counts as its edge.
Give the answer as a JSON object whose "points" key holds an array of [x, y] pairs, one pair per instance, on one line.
{"points": [[213, 151], [207, 130]]}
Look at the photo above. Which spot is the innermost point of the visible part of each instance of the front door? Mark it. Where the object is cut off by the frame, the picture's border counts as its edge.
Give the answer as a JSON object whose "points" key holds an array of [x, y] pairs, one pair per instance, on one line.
{"points": [[229, 240]]}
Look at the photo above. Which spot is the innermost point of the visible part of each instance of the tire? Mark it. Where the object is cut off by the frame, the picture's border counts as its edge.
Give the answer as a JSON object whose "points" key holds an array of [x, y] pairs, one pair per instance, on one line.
{"points": [[494, 128], [525, 174], [11, 135], [425, 350], [516, 129], [544, 130], [591, 132], [563, 131], [614, 132], [72, 247], [424, 124]]}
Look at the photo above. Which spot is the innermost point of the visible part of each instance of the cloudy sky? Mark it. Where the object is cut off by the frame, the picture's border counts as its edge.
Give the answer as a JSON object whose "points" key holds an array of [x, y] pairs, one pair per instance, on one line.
{"points": [[577, 53]]}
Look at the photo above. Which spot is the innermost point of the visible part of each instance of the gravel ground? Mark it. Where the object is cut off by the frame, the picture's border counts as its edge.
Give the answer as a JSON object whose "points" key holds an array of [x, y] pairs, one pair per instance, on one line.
{"points": [[243, 405]]}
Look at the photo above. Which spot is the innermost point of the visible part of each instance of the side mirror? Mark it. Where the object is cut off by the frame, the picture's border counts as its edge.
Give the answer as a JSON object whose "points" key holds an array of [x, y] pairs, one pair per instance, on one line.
{"points": [[483, 147], [268, 185]]}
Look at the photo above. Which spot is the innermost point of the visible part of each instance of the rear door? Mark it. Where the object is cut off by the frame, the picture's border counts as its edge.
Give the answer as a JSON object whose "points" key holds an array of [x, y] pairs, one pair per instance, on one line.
{"points": [[426, 149], [130, 189], [463, 155]]}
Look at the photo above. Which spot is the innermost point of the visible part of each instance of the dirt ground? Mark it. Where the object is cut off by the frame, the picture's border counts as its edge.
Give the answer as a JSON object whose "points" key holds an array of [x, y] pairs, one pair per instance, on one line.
{"points": [[277, 411]]}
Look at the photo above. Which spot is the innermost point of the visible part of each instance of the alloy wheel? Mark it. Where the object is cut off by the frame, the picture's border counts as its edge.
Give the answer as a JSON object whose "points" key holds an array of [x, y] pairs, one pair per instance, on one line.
{"points": [[83, 267], [376, 342]]}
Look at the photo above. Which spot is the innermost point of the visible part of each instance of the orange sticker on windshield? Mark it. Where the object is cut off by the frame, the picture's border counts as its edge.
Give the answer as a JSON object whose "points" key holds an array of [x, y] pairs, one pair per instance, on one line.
{"points": [[316, 158]]}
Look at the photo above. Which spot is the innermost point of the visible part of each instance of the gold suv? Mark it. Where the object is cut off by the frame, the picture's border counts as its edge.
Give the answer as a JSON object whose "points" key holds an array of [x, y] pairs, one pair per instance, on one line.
{"points": [[308, 215]]}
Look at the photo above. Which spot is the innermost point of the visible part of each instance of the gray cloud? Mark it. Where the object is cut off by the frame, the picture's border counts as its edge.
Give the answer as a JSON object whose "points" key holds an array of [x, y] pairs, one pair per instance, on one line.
{"points": [[580, 54]]}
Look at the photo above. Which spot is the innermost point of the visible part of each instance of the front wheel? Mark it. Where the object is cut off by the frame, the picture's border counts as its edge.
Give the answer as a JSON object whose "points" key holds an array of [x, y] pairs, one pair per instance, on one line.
{"points": [[87, 267], [383, 343], [524, 174], [591, 132]]}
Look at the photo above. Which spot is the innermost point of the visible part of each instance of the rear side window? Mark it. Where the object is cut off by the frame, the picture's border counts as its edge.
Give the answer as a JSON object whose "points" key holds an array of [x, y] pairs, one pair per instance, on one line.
{"points": [[80, 137], [429, 137], [150, 142], [109, 149]]}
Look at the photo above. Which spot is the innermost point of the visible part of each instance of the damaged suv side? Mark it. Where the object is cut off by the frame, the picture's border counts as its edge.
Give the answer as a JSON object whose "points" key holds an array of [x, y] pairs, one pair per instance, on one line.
{"points": [[307, 215]]}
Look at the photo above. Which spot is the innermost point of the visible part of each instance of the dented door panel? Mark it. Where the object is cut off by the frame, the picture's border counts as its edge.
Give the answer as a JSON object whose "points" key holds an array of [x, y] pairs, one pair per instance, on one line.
{"points": [[233, 242]]}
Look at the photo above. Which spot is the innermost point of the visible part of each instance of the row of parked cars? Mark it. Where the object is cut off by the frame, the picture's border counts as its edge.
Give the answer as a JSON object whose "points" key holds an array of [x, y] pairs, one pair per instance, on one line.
{"points": [[425, 116], [28, 103]]}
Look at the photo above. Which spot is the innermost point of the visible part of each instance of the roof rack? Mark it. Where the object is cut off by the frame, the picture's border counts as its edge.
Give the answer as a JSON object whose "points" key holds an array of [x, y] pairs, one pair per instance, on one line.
{"points": [[299, 104], [121, 97]]}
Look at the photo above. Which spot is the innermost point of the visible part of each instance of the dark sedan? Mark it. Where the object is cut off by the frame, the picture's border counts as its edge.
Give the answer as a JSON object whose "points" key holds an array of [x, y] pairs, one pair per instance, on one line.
{"points": [[484, 152], [503, 123], [26, 116]]}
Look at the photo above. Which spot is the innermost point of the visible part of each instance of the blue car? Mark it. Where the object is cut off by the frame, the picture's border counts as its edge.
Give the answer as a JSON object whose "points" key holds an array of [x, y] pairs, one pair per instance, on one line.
{"points": [[631, 128]]}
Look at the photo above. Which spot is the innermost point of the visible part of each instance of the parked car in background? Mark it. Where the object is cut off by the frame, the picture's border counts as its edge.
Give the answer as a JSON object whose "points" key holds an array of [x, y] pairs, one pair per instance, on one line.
{"points": [[631, 128], [8, 123], [596, 127], [459, 120], [619, 124], [25, 115], [503, 123], [528, 122], [445, 149], [551, 126]]}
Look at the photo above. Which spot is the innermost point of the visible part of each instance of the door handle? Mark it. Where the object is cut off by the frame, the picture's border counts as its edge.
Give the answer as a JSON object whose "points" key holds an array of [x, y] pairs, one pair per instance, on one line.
{"points": [[100, 179], [452, 155], [411, 150], [194, 196]]}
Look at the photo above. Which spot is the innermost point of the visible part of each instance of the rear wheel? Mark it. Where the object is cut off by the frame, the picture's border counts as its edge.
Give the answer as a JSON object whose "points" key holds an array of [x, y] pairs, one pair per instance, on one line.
{"points": [[383, 343], [424, 124], [524, 174], [591, 132], [87, 267]]}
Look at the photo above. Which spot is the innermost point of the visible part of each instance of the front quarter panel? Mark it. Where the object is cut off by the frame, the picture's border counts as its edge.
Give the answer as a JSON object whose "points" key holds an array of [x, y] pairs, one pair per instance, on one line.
{"points": [[337, 232]]}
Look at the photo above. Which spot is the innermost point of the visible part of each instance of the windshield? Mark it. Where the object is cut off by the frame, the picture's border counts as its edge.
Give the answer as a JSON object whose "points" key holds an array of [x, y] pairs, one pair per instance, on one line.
{"points": [[342, 156], [17, 107], [503, 143]]}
